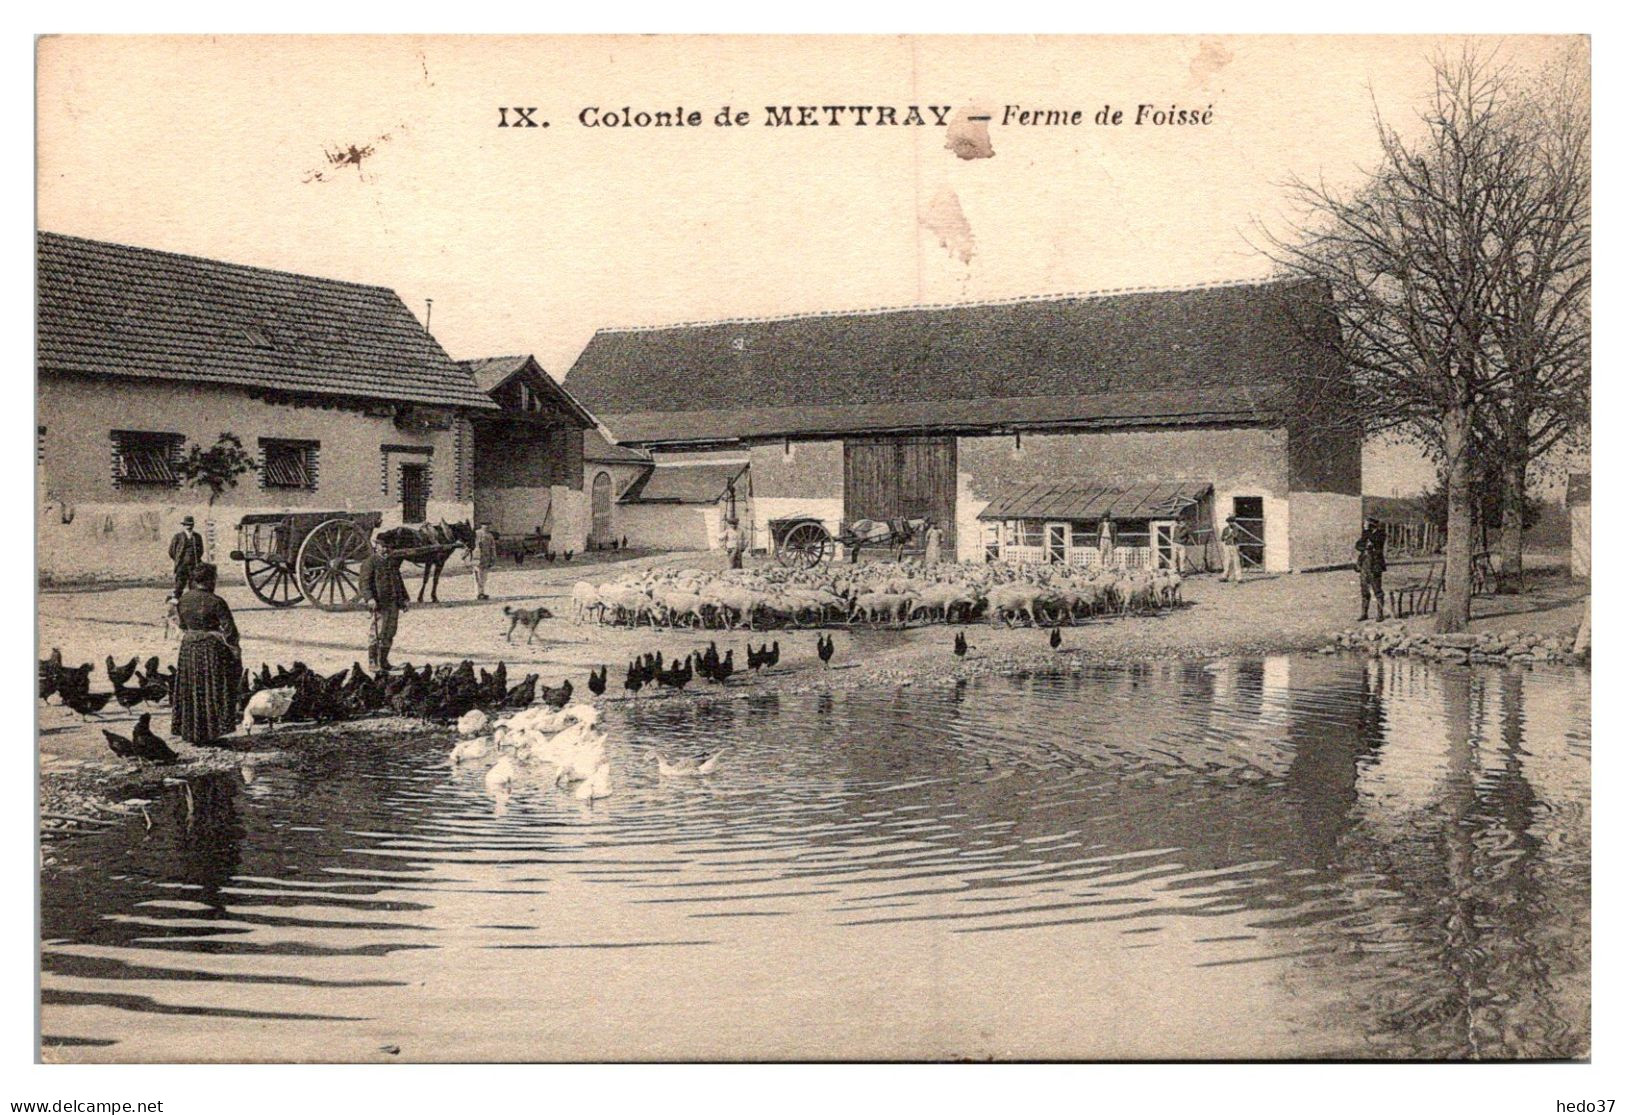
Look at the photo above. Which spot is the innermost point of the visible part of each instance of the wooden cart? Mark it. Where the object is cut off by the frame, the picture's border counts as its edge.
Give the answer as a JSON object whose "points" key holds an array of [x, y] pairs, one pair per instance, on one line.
{"points": [[309, 555]]}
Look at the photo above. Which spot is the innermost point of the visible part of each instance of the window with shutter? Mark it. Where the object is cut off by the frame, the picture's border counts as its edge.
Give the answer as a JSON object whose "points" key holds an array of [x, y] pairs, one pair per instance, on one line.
{"points": [[143, 459], [288, 463]]}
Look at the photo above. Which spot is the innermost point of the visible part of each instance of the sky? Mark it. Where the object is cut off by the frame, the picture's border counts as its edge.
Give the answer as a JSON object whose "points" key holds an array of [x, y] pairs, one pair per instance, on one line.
{"points": [[530, 239]]}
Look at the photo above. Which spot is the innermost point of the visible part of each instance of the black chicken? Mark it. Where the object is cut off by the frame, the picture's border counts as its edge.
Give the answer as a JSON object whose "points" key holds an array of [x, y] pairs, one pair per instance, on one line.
{"points": [[145, 744], [826, 648], [771, 659], [128, 696], [50, 671], [74, 681], [722, 671], [523, 695], [634, 678], [598, 681], [119, 675], [557, 697], [1055, 638], [87, 703], [960, 645]]}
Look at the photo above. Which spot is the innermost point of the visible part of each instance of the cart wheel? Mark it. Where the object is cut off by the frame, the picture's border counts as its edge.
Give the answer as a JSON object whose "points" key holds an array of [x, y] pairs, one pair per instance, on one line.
{"points": [[329, 564], [272, 581], [803, 546]]}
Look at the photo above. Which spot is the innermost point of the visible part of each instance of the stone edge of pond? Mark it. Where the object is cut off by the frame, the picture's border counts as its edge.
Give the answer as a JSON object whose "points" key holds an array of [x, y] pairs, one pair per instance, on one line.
{"points": [[1490, 648]]}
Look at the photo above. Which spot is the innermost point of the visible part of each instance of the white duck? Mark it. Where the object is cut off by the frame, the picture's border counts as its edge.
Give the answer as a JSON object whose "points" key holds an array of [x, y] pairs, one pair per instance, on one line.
{"points": [[596, 785], [269, 705], [687, 768], [501, 774], [466, 749], [472, 722]]}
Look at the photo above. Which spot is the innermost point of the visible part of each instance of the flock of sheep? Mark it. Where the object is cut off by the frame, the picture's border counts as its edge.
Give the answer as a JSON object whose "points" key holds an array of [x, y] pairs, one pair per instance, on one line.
{"points": [[873, 592]]}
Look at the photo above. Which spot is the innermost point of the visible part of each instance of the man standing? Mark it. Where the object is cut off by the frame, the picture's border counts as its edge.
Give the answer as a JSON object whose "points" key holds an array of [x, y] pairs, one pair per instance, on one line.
{"points": [[385, 593], [483, 555], [933, 542], [186, 551], [1108, 543], [1230, 539], [733, 543], [1372, 561]]}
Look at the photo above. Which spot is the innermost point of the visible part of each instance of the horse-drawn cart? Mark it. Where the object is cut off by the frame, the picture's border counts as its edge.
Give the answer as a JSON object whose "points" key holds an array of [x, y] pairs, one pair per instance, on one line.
{"points": [[802, 542], [317, 555], [310, 555]]}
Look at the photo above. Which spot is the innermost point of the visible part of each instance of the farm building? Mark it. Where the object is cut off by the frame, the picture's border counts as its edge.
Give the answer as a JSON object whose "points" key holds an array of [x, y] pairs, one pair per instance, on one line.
{"points": [[1018, 427], [341, 397], [1579, 505], [681, 504], [529, 463], [612, 470]]}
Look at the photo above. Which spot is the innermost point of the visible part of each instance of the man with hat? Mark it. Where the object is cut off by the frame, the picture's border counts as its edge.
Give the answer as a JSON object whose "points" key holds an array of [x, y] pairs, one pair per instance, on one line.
{"points": [[483, 555], [1371, 559], [186, 551], [1230, 539]]}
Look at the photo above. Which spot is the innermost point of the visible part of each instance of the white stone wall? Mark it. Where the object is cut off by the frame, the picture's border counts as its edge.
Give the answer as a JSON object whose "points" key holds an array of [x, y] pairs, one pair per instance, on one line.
{"points": [[671, 526], [1324, 528]]}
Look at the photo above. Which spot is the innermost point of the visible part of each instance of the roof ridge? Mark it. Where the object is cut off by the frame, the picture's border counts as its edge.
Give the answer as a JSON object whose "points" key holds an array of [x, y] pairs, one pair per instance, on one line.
{"points": [[222, 263], [1015, 300]]}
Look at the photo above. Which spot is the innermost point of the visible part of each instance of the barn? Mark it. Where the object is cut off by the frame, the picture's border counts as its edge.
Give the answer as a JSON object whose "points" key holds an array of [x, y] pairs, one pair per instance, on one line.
{"points": [[340, 396], [1019, 427], [529, 455]]}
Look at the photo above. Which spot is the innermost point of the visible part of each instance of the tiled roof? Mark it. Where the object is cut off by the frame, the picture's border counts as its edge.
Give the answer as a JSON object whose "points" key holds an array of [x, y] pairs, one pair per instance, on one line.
{"points": [[596, 447], [111, 309], [1186, 407], [1077, 500], [685, 483], [492, 372], [1201, 354]]}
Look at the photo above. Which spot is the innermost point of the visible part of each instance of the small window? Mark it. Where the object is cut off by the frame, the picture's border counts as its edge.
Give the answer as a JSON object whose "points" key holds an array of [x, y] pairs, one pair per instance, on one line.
{"points": [[288, 464], [145, 459], [39, 446]]}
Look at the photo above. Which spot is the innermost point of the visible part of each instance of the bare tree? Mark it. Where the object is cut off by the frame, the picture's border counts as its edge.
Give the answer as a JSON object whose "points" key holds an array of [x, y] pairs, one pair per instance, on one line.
{"points": [[1411, 258], [1540, 304]]}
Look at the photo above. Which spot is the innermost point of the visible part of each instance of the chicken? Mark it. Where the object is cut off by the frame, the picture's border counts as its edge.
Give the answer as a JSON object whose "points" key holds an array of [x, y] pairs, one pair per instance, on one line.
{"points": [[598, 681], [86, 703], [143, 745], [119, 675], [557, 697], [826, 648]]}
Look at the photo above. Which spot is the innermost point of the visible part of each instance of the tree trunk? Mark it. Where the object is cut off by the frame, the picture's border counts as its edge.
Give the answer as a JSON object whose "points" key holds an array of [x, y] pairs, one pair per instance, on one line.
{"points": [[1514, 478], [1456, 601]]}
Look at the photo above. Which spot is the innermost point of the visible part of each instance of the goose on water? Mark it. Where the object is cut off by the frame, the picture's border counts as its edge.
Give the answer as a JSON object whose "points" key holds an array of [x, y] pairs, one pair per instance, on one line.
{"points": [[687, 768]]}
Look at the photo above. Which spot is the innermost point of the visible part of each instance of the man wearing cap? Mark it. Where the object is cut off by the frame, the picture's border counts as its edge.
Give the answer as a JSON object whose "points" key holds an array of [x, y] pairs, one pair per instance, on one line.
{"points": [[1230, 539], [1371, 559], [186, 551]]}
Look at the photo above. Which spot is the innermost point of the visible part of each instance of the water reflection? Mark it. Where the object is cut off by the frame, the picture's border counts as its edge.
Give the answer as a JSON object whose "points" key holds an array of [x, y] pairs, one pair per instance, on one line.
{"points": [[1302, 856]]}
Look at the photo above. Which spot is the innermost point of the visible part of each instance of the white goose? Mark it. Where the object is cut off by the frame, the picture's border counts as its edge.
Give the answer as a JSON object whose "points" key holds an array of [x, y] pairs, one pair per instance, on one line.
{"points": [[501, 774], [688, 768], [474, 748]]}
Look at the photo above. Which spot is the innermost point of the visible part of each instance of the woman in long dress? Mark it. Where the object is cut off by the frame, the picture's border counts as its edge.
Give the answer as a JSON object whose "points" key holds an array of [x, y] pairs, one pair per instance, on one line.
{"points": [[209, 664]]}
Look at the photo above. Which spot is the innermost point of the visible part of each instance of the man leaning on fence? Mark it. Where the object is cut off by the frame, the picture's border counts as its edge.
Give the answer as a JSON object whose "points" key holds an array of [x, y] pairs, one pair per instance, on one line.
{"points": [[385, 593], [1371, 560]]}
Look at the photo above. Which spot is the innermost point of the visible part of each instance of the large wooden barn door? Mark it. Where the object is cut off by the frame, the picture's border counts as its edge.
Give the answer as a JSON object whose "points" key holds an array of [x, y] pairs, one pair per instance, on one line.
{"points": [[903, 478]]}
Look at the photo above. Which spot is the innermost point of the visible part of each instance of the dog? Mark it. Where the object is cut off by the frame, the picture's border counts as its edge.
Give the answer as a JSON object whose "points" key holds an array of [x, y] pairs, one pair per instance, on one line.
{"points": [[529, 617], [172, 617]]}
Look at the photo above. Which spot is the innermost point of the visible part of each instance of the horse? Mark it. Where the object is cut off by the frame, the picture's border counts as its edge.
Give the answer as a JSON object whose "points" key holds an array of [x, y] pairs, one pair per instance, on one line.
{"points": [[447, 537]]}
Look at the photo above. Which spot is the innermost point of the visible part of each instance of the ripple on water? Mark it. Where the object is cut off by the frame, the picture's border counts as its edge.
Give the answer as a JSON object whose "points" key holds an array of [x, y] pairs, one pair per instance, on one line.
{"points": [[1359, 859]]}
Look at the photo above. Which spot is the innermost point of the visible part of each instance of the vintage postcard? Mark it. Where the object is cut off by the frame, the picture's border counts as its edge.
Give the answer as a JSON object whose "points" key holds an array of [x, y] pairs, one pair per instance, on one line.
{"points": [[832, 548]]}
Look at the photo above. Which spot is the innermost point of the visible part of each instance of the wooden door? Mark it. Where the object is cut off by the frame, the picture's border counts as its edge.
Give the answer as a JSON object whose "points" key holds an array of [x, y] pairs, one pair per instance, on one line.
{"points": [[903, 478], [414, 493], [603, 510]]}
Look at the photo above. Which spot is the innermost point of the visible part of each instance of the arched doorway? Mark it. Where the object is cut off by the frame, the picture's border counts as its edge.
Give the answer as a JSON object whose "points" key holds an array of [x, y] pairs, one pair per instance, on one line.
{"points": [[603, 510]]}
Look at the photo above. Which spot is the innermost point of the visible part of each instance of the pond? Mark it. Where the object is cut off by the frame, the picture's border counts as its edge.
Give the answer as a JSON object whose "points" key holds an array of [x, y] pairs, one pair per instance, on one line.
{"points": [[1294, 857]]}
